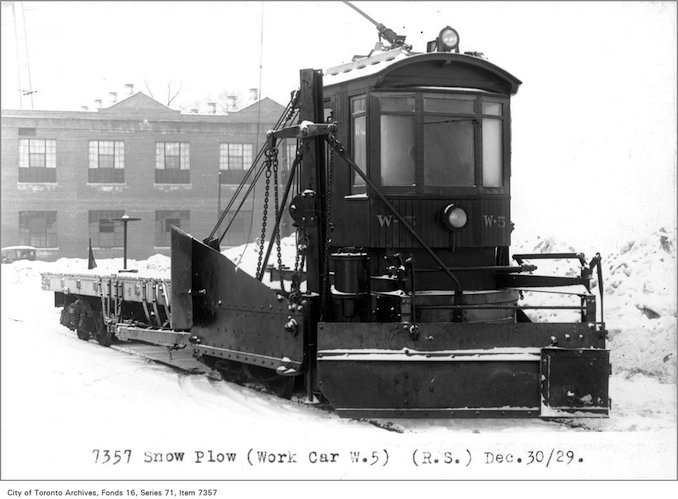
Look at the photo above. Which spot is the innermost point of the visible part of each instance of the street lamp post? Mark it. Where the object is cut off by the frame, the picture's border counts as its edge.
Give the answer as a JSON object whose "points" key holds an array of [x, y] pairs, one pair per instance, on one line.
{"points": [[125, 219]]}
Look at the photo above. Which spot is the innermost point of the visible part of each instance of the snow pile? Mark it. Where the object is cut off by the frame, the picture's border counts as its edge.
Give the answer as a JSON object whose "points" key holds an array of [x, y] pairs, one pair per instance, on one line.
{"points": [[639, 278]]}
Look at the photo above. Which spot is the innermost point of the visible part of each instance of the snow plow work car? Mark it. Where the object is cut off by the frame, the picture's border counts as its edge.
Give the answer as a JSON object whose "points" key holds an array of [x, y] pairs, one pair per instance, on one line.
{"points": [[404, 299]]}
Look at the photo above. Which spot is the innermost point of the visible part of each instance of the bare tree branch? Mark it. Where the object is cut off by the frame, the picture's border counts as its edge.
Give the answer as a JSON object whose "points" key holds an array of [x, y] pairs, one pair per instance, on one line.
{"points": [[170, 99], [149, 89]]}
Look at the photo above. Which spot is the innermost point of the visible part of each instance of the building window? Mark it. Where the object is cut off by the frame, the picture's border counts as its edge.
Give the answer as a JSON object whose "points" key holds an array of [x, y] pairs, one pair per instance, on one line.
{"points": [[37, 160], [359, 138], [38, 229], [103, 232], [106, 161], [234, 161], [172, 163], [164, 220]]}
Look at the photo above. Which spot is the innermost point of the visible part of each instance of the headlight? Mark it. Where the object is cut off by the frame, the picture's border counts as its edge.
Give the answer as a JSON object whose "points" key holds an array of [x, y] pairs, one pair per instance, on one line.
{"points": [[454, 217], [448, 40]]}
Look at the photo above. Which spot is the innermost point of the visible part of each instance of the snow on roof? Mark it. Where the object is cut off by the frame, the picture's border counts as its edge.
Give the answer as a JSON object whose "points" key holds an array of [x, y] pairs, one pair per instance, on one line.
{"points": [[365, 66]]}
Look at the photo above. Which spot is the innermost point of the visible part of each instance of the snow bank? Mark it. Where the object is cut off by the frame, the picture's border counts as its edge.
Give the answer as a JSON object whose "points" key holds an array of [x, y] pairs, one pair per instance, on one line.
{"points": [[639, 278]]}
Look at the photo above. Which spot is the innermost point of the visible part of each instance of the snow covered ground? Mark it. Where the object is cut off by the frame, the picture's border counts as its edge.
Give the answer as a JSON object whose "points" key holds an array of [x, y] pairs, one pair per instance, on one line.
{"points": [[68, 405]]}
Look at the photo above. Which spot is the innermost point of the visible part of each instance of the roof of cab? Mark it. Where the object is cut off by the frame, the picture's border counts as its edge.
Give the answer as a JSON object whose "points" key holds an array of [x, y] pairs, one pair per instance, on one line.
{"points": [[401, 68]]}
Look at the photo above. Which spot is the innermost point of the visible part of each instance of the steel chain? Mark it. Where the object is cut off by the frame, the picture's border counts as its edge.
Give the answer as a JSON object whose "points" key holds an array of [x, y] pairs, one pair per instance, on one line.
{"points": [[276, 202], [262, 239]]}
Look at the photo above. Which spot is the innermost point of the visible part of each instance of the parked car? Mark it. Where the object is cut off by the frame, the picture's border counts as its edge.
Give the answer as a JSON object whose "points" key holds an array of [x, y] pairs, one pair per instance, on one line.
{"points": [[14, 253]]}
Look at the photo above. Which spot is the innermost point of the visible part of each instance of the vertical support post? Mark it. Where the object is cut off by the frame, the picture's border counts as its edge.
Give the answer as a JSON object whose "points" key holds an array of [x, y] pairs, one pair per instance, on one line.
{"points": [[125, 219], [124, 251], [312, 174], [312, 177]]}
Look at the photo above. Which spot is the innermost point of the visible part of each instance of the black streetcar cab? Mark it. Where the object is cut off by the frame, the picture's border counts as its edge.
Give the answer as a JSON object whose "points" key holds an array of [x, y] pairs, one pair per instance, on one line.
{"points": [[432, 131]]}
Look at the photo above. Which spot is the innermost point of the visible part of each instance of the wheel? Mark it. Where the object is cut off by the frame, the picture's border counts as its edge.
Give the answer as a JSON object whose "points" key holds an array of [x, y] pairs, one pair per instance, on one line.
{"points": [[82, 334], [282, 386], [103, 335], [105, 338]]}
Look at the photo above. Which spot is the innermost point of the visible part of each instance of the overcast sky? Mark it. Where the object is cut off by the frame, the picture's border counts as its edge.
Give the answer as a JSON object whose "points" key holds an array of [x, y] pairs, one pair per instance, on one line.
{"points": [[594, 137]]}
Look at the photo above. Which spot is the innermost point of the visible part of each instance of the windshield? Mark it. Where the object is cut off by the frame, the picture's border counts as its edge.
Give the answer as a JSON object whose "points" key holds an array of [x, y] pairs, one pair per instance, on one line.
{"points": [[440, 139]]}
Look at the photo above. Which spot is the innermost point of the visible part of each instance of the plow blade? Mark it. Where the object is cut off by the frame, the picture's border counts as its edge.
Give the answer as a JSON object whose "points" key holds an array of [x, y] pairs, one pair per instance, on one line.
{"points": [[449, 371], [232, 317]]}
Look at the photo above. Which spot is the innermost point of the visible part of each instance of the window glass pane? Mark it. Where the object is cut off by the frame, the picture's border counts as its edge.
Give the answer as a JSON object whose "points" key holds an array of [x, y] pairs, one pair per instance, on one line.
{"points": [[492, 108], [24, 152], [448, 151], [396, 103], [38, 146], [359, 147], [397, 150], [93, 154], [172, 163], [50, 160], [492, 153], [358, 105], [171, 148], [441, 104], [120, 154], [247, 156], [159, 155], [37, 160], [185, 156], [106, 161], [223, 156]]}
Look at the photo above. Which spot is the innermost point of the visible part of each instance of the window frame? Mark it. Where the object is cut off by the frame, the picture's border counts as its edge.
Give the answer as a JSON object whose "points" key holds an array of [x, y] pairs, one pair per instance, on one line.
{"points": [[162, 232], [165, 175], [96, 174], [360, 188], [26, 236], [420, 188], [29, 174], [118, 229], [228, 174]]}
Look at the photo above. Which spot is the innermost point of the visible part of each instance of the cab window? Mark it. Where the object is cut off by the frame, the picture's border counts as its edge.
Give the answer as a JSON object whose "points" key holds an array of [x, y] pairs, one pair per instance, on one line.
{"points": [[430, 140], [359, 137], [449, 140]]}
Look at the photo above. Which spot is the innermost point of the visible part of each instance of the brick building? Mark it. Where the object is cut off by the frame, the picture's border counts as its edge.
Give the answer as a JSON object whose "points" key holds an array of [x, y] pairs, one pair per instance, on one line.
{"points": [[66, 173]]}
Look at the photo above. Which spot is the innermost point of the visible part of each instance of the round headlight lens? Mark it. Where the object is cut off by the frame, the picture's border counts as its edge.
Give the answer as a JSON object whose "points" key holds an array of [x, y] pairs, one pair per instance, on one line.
{"points": [[449, 38], [455, 217]]}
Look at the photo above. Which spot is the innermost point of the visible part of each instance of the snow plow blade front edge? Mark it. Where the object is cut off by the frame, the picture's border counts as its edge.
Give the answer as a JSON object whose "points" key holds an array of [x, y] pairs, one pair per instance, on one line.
{"points": [[450, 371]]}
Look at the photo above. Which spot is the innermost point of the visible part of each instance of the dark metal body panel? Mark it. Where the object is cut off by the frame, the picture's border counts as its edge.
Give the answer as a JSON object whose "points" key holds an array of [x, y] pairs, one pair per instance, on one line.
{"points": [[459, 370], [575, 382], [457, 336], [232, 311]]}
